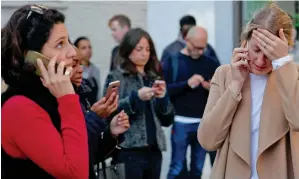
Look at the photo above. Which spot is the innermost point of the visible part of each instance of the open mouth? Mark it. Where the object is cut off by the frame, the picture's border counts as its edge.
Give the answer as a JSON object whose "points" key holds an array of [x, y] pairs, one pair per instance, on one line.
{"points": [[259, 67]]}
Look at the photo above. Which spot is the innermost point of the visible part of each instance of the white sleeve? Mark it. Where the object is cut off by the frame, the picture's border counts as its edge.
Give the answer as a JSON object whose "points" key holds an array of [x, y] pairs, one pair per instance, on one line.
{"points": [[280, 62]]}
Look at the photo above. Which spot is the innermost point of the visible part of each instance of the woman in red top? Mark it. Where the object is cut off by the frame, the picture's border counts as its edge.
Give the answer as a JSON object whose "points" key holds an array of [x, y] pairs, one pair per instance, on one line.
{"points": [[43, 127]]}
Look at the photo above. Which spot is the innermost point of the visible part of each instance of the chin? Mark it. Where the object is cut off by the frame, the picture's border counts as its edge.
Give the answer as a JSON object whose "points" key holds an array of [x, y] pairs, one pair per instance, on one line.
{"points": [[261, 72]]}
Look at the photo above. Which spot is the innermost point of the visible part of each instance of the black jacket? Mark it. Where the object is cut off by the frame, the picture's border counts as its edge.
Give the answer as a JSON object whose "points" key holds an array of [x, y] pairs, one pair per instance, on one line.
{"points": [[101, 143]]}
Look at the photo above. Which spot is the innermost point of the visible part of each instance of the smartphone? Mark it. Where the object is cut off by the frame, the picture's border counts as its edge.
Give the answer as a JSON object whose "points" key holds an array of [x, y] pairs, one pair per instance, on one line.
{"points": [[31, 58], [157, 83], [112, 87]]}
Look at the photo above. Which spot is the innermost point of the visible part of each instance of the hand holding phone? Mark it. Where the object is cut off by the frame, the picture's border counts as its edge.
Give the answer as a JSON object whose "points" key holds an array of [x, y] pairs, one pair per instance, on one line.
{"points": [[105, 106], [159, 88], [240, 66], [112, 87], [58, 83], [31, 58]]}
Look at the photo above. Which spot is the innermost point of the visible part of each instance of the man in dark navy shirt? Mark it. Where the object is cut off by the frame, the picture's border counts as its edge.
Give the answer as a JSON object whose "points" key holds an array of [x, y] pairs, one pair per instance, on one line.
{"points": [[189, 92], [186, 23]]}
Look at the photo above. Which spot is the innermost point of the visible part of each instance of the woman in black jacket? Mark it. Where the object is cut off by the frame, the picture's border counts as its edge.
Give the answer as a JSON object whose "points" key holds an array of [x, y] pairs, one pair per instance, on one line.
{"points": [[104, 132], [143, 97]]}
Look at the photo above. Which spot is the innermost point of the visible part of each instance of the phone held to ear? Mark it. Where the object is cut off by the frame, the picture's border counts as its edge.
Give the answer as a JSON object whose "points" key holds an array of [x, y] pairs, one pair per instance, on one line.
{"points": [[112, 87], [31, 58]]}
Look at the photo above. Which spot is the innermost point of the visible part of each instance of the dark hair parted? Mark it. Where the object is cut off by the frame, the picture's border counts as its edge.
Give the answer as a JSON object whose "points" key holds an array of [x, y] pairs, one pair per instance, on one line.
{"points": [[128, 44], [77, 41], [27, 29]]}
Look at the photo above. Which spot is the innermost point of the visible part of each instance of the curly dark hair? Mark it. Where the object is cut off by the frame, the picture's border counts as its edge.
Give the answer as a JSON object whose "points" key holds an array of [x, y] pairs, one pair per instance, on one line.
{"points": [[128, 44], [27, 29]]}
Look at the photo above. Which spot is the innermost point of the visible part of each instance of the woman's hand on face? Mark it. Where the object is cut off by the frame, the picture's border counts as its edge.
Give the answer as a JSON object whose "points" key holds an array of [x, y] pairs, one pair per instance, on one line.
{"points": [[119, 124], [272, 46], [240, 66], [58, 83], [104, 107]]}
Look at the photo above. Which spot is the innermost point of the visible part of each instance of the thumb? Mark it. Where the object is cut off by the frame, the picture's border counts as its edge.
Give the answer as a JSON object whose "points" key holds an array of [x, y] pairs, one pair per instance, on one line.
{"points": [[101, 101], [148, 90], [282, 36]]}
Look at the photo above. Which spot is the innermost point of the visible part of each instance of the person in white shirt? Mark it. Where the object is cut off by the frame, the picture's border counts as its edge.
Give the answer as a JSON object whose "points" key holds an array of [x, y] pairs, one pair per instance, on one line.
{"points": [[252, 114]]}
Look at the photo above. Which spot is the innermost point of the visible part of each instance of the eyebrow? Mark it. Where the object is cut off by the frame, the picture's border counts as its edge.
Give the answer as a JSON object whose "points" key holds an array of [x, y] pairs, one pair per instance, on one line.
{"points": [[60, 38]]}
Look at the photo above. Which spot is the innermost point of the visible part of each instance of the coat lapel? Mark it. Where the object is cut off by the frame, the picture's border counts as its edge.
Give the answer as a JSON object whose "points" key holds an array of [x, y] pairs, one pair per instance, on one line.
{"points": [[273, 124], [240, 129]]}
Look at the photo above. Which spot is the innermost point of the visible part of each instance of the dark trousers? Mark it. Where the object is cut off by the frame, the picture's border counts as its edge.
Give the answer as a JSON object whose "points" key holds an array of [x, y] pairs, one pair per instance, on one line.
{"points": [[184, 135], [144, 163]]}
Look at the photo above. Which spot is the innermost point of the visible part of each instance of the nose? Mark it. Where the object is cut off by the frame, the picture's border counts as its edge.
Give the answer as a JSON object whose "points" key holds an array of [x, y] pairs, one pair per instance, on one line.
{"points": [[261, 60], [145, 52], [71, 52], [75, 62], [70, 55]]}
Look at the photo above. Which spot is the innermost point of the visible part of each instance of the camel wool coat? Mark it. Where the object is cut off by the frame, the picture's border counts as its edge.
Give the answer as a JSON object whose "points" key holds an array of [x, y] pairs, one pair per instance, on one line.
{"points": [[226, 126]]}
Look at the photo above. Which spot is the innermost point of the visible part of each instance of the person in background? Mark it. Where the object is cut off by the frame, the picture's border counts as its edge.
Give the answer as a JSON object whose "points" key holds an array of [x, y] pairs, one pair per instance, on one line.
{"points": [[91, 74], [144, 98], [186, 22], [104, 132], [43, 131], [119, 24], [252, 116], [189, 93], [294, 50]]}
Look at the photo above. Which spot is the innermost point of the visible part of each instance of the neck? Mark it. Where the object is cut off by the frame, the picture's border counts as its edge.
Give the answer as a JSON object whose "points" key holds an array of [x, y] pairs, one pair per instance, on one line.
{"points": [[140, 69]]}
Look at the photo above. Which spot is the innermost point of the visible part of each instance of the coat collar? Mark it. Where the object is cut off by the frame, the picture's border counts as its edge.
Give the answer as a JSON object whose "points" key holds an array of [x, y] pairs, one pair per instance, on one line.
{"points": [[273, 125]]}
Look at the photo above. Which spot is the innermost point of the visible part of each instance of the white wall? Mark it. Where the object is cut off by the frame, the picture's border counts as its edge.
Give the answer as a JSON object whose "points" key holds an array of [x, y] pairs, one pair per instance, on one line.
{"points": [[163, 19], [224, 32], [216, 16]]}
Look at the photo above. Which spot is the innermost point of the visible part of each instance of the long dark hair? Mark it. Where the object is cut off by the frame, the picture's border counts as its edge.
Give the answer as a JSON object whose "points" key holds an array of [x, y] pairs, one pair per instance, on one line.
{"points": [[128, 44], [28, 28]]}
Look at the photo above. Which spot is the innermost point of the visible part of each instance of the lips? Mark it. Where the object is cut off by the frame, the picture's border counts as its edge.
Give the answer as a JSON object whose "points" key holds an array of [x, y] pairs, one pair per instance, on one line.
{"points": [[259, 67]]}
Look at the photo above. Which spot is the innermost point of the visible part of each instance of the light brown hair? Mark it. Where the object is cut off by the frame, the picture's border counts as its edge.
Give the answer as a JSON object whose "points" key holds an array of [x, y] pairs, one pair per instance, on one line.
{"points": [[123, 20], [271, 18]]}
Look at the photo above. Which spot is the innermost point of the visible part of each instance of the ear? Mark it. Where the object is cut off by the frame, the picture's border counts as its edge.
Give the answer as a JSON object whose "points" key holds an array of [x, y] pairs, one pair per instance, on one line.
{"points": [[25, 53], [126, 28], [282, 36]]}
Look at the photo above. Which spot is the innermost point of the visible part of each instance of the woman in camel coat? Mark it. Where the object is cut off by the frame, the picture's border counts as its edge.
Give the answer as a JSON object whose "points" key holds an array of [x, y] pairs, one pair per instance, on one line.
{"points": [[252, 114]]}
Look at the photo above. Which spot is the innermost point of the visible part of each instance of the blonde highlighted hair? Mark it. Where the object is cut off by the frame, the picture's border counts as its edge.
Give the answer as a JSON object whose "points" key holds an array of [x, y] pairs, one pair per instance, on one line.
{"points": [[271, 18]]}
